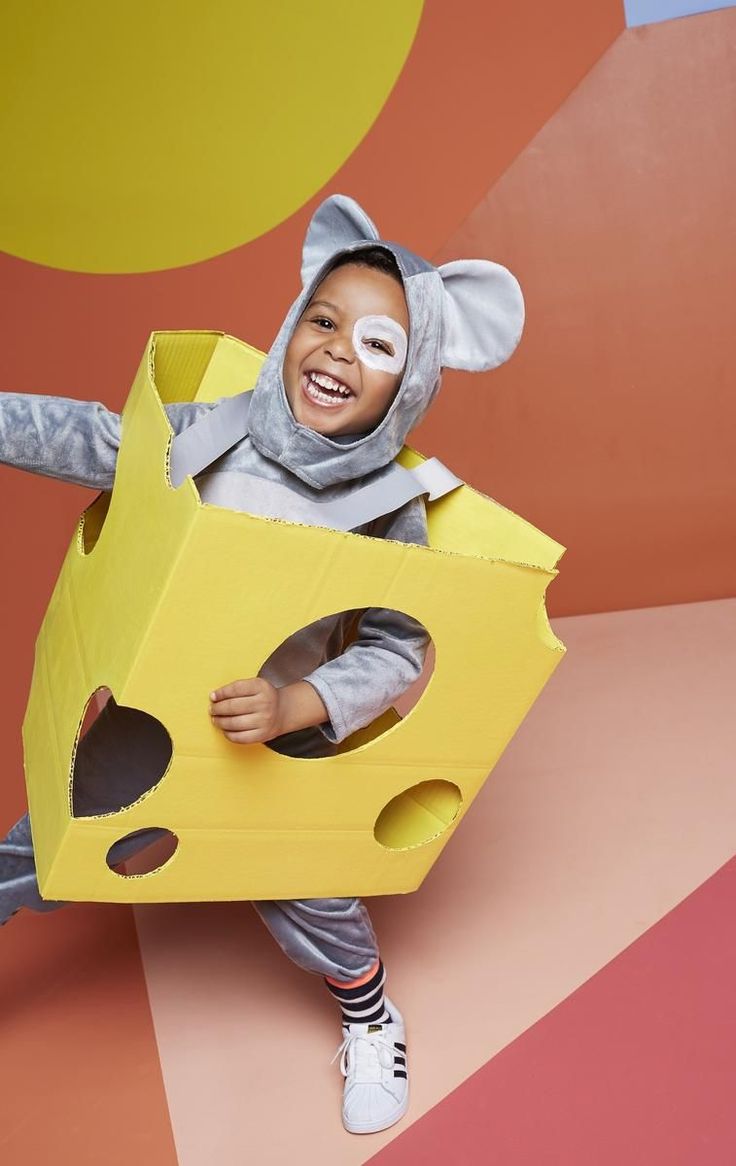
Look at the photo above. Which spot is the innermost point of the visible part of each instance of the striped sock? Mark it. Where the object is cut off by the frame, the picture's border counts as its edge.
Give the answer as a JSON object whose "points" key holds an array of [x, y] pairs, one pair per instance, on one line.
{"points": [[361, 1000]]}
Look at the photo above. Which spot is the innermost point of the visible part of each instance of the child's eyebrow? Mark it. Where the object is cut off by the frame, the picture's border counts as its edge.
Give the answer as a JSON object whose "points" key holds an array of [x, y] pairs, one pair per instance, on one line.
{"points": [[325, 304]]}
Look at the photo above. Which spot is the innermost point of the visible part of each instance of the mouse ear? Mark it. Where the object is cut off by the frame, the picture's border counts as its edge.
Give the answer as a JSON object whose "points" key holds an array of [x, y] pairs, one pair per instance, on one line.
{"points": [[482, 314], [337, 223]]}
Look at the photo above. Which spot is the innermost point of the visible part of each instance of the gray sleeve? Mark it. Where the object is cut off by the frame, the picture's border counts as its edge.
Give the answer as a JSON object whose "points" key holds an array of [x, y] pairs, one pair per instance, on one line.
{"points": [[386, 655], [74, 441]]}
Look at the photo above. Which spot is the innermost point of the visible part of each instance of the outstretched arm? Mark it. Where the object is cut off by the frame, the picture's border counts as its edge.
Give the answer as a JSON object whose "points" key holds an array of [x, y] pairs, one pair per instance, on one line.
{"points": [[75, 441]]}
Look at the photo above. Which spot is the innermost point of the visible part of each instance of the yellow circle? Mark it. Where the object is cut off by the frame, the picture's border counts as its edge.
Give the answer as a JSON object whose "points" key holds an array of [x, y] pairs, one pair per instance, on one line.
{"points": [[156, 133]]}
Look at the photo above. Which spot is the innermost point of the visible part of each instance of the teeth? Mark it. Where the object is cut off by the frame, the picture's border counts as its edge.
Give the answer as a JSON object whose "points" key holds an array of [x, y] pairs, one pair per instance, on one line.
{"points": [[323, 398], [320, 378]]}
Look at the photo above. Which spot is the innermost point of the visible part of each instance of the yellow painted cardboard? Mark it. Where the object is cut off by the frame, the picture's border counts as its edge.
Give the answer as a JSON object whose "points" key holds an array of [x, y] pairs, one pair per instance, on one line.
{"points": [[162, 599]]}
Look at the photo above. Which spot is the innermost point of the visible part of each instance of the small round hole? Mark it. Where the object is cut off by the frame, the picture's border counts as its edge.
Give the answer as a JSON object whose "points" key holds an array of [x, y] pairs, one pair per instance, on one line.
{"points": [[142, 852], [418, 815]]}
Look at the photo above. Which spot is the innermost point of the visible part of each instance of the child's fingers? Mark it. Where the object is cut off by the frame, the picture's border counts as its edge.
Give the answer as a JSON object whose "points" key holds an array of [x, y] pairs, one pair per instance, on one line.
{"points": [[249, 687], [238, 722], [247, 737], [236, 706]]}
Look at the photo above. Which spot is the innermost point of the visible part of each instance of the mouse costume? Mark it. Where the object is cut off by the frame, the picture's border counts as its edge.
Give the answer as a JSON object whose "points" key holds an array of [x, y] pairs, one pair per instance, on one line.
{"points": [[465, 315]]}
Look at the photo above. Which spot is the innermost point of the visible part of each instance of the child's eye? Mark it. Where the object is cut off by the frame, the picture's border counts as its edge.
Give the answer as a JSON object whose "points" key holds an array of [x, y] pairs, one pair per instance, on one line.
{"points": [[322, 322], [380, 346]]}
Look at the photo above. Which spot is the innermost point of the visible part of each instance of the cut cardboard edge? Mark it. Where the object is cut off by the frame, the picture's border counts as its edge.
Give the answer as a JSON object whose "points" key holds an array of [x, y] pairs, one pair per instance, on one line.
{"points": [[226, 346]]}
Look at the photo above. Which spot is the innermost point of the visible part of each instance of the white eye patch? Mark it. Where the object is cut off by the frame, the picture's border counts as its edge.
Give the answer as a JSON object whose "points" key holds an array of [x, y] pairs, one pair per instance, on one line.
{"points": [[371, 333]]}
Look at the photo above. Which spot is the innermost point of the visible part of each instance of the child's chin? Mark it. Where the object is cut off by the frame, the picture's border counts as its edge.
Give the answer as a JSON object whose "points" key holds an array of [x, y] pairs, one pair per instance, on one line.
{"points": [[327, 425]]}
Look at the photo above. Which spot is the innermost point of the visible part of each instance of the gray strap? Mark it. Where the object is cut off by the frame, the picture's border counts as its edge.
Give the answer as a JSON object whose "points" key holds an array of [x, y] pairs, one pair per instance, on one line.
{"points": [[393, 490], [220, 428], [210, 437], [396, 487]]}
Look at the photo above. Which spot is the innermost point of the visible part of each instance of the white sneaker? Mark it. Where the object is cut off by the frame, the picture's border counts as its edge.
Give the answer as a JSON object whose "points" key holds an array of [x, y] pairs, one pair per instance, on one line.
{"points": [[373, 1063]]}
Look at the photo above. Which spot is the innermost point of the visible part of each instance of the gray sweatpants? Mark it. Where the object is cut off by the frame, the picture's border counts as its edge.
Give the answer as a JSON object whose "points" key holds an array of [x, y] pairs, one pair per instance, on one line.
{"points": [[332, 937]]}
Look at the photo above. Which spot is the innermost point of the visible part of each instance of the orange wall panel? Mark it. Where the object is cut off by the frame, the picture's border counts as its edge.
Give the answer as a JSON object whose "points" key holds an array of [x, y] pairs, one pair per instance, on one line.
{"points": [[612, 427], [80, 1076]]}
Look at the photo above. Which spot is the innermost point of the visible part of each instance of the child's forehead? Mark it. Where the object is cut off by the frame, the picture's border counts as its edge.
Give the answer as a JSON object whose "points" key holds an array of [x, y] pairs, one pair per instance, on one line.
{"points": [[357, 290]]}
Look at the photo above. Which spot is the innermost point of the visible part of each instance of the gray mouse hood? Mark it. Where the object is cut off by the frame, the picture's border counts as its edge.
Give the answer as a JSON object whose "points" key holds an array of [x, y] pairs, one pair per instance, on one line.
{"points": [[468, 314]]}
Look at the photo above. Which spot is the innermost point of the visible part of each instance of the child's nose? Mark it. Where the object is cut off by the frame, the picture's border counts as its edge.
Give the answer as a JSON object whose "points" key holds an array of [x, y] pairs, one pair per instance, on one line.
{"points": [[340, 347]]}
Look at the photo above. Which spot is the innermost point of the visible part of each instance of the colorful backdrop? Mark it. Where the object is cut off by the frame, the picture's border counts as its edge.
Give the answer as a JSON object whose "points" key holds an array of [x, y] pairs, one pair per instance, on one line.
{"points": [[160, 163], [159, 173]]}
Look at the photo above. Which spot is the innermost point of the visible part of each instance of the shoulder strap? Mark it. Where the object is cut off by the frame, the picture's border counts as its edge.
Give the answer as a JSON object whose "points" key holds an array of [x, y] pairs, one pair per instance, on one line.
{"points": [[220, 428], [387, 494], [208, 438]]}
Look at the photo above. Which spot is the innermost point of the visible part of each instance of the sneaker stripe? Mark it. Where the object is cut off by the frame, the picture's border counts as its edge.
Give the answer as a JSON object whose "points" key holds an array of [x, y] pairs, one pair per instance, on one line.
{"points": [[401, 1073]]}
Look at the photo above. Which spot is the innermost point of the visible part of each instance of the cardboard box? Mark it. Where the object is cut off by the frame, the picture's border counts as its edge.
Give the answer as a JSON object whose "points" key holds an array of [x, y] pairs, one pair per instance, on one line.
{"points": [[161, 599]]}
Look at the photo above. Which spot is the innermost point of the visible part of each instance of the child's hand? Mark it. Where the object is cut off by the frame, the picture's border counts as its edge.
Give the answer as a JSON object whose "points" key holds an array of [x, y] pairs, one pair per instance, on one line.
{"points": [[247, 711], [253, 710]]}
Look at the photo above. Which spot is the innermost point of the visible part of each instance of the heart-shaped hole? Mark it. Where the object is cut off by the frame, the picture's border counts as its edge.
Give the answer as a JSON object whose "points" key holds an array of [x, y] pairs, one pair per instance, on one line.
{"points": [[120, 755]]}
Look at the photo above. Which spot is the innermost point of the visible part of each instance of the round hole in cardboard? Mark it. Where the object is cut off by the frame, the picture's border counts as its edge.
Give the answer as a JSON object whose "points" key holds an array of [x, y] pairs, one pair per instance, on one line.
{"points": [[142, 852], [120, 754], [327, 638], [418, 814]]}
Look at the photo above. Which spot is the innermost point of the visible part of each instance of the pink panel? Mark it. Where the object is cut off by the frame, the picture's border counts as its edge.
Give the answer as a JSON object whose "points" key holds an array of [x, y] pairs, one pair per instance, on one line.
{"points": [[637, 1067]]}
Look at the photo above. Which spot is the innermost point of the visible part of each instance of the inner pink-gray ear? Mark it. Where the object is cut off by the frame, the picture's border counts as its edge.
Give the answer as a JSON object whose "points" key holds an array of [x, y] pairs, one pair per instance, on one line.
{"points": [[482, 314], [336, 223]]}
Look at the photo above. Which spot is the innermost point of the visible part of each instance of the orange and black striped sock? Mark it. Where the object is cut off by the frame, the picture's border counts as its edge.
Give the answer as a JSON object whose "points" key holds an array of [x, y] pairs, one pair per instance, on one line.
{"points": [[362, 1000]]}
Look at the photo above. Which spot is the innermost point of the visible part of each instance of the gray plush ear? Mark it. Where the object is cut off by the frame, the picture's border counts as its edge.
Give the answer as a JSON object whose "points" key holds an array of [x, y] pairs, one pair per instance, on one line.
{"points": [[337, 223], [482, 314]]}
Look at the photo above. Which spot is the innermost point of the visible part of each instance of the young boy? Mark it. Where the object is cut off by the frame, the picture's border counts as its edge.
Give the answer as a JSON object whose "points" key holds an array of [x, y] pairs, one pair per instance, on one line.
{"points": [[354, 367]]}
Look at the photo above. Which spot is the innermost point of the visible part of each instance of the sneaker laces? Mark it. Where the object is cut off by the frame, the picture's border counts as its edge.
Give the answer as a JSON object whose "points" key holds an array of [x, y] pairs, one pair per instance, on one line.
{"points": [[365, 1057]]}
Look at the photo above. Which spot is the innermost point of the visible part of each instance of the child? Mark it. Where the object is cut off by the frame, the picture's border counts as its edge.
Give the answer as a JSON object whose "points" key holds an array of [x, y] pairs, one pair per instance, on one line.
{"points": [[355, 366]]}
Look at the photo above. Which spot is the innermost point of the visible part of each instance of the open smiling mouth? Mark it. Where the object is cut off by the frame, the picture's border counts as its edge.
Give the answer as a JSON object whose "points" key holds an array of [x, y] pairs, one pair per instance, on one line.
{"points": [[325, 391]]}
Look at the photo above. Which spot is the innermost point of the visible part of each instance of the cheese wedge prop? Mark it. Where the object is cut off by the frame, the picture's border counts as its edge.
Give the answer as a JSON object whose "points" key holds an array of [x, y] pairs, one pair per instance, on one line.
{"points": [[161, 599]]}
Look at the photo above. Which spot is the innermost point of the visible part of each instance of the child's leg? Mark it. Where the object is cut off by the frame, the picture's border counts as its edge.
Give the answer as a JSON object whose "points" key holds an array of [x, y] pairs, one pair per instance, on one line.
{"points": [[332, 937], [335, 938], [18, 885], [18, 882]]}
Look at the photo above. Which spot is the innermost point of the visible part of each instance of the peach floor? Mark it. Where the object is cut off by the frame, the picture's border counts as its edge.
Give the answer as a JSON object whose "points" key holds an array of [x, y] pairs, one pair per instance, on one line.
{"points": [[613, 803]]}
